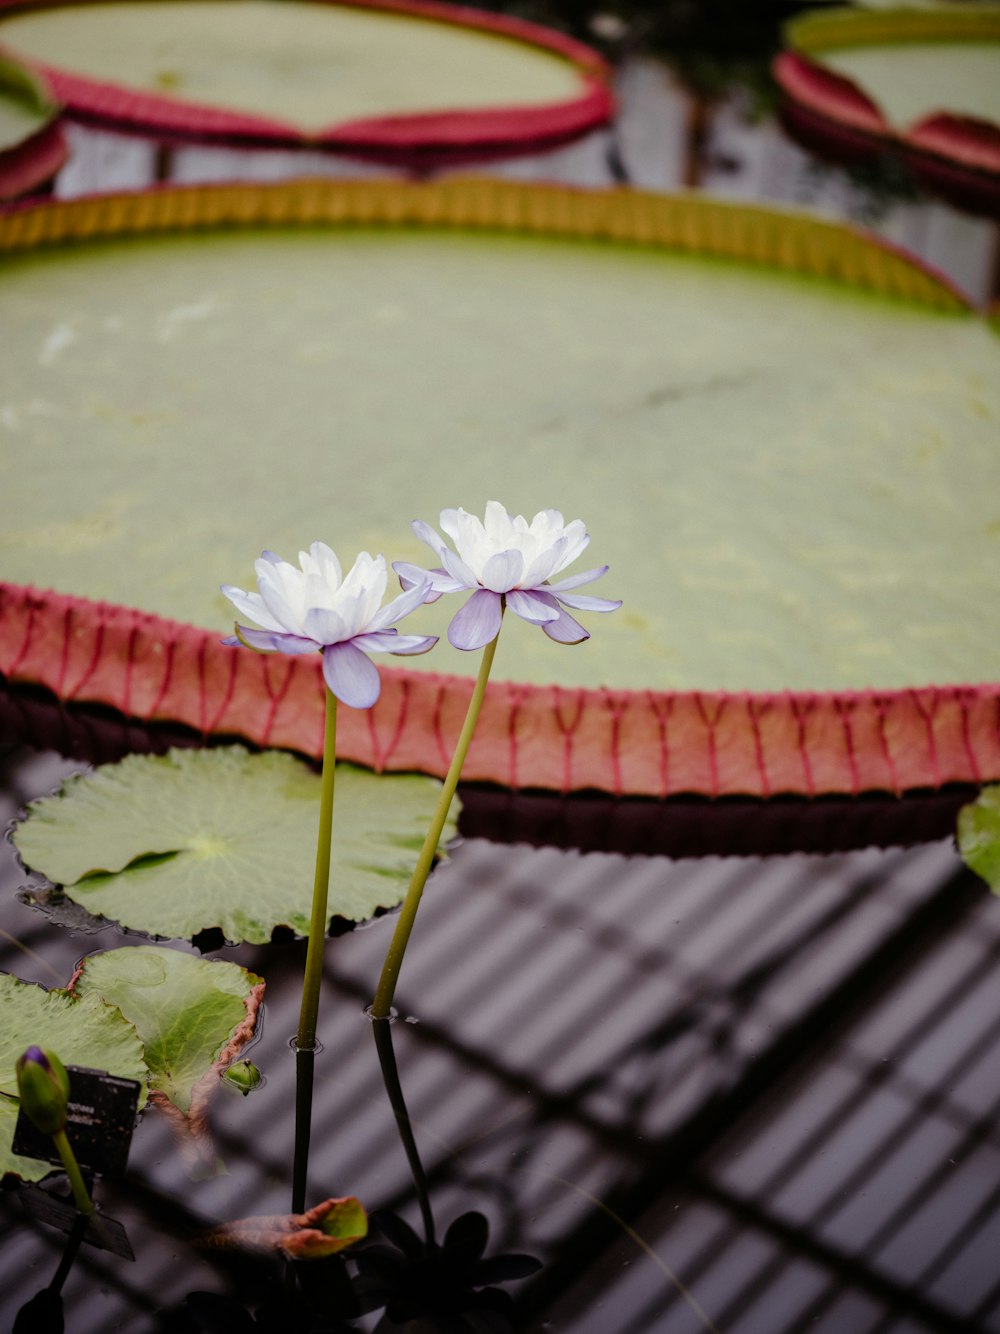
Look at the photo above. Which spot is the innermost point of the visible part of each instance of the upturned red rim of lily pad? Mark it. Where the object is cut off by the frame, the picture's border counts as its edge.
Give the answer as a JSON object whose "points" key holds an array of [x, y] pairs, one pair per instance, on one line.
{"points": [[426, 139], [30, 162], [957, 156]]}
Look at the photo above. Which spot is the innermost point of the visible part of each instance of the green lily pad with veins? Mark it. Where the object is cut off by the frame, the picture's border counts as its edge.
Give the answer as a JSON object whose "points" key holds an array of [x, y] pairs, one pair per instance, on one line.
{"points": [[194, 1016], [80, 1030], [176, 844], [186, 1010]]}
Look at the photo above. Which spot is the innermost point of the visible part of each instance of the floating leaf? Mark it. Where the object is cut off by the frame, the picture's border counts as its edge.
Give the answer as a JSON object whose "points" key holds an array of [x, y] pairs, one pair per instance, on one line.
{"points": [[979, 836], [319, 1232], [175, 844], [85, 1030], [194, 1017]]}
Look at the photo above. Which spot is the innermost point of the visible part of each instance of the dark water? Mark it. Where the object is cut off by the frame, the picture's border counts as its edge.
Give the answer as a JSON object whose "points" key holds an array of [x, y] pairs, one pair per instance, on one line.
{"points": [[727, 1065], [757, 1089]]}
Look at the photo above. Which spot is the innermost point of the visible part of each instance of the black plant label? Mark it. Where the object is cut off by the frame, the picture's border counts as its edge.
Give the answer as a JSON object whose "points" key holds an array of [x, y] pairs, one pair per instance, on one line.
{"points": [[100, 1123]]}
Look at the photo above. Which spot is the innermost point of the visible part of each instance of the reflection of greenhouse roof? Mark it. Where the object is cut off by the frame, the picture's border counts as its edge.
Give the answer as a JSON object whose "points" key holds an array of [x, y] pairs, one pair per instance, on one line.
{"points": [[386, 78], [780, 1072]]}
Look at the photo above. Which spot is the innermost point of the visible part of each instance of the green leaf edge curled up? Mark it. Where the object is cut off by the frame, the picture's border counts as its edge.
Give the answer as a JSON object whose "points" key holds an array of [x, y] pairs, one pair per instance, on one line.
{"points": [[978, 836]]}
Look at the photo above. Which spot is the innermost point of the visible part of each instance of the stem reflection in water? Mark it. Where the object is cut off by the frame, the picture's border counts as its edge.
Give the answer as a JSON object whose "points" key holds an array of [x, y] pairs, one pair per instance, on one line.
{"points": [[382, 1028]]}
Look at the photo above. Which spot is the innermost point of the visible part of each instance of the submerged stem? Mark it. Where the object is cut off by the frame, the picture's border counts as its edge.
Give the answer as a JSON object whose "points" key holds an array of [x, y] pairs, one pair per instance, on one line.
{"points": [[404, 922], [390, 1078], [312, 981]]}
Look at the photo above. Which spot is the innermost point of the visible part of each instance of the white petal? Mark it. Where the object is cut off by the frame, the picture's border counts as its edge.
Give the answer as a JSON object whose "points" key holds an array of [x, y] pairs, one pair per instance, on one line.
{"points": [[577, 538], [325, 626], [502, 571], [251, 605], [401, 606]]}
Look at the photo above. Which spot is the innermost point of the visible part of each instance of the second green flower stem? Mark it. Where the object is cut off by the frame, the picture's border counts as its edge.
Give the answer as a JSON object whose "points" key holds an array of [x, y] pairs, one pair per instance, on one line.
{"points": [[81, 1196], [312, 982], [382, 1004]]}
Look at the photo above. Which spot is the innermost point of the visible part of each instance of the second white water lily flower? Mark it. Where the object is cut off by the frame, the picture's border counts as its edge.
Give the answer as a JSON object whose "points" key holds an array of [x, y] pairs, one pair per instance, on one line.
{"points": [[313, 606], [508, 561]]}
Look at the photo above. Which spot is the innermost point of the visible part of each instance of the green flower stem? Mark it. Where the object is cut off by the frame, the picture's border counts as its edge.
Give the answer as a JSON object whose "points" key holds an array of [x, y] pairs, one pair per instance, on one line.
{"points": [[318, 922], [305, 1041], [81, 1196], [382, 1004]]}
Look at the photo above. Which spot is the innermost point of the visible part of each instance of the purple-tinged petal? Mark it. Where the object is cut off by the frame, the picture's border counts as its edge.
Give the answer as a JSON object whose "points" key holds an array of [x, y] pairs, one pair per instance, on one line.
{"points": [[401, 606], [565, 630], [270, 641], [427, 534], [477, 622], [580, 602], [271, 557], [440, 580], [458, 569], [391, 641], [251, 605], [578, 580], [412, 645], [352, 677], [531, 608], [325, 626], [503, 571], [412, 575]]}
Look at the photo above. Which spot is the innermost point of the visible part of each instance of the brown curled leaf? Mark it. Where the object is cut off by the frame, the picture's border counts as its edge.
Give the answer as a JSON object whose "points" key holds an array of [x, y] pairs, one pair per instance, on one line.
{"points": [[321, 1231]]}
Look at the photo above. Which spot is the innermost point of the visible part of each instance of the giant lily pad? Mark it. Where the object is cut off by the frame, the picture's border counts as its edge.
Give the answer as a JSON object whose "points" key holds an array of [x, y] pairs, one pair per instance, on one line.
{"points": [[781, 435], [31, 144], [926, 80], [396, 81], [194, 839], [81, 1031], [194, 1016]]}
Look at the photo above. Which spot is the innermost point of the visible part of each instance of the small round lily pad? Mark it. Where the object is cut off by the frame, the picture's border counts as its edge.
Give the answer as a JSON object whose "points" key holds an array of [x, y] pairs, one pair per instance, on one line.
{"points": [[176, 844]]}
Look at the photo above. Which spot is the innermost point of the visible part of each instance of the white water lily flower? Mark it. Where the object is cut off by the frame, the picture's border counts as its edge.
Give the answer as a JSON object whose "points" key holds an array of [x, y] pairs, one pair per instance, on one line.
{"points": [[507, 561], [314, 607]]}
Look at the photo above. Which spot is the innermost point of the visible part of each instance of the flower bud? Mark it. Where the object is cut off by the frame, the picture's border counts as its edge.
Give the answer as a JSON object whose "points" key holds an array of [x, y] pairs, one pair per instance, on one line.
{"points": [[43, 1086], [243, 1076]]}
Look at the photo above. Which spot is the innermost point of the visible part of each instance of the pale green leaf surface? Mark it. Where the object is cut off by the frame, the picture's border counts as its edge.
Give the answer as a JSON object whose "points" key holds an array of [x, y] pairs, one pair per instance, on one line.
{"points": [[795, 483], [979, 836], [84, 1031], [313, 65], [911, 80], [223, 838], [184, 1008]]}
